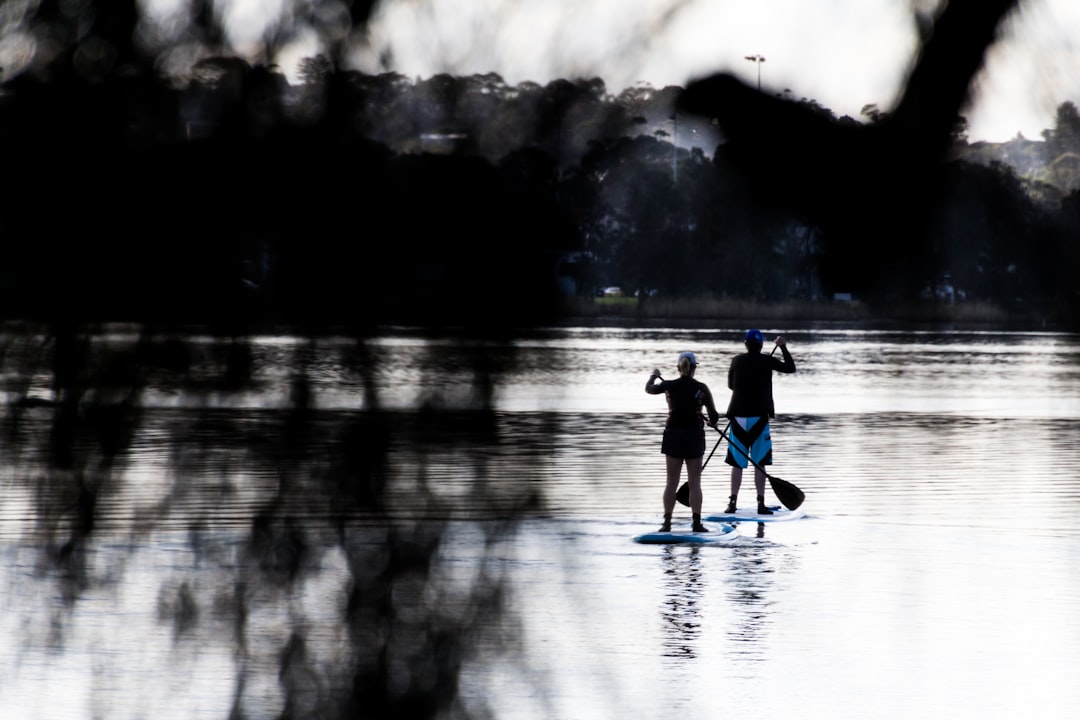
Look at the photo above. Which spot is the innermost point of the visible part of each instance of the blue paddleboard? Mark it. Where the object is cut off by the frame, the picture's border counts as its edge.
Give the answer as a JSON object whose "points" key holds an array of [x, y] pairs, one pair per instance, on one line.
{"points": [[716, 534], [750, 514]]}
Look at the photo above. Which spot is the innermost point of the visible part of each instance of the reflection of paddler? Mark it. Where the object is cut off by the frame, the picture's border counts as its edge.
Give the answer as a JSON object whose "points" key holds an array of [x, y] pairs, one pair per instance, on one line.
{"points": [[684, 433], [684, 591], [751, 580], [751, 406]]}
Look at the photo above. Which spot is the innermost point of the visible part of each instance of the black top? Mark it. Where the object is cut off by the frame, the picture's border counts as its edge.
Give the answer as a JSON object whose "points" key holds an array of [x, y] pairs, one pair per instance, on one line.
{"points": [[750, 380], [686, 396]]}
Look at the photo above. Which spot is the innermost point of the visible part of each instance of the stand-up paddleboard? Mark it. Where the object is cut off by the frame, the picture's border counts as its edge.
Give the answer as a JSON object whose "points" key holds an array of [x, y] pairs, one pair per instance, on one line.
{"points": [[750, 514], [717, 534]]}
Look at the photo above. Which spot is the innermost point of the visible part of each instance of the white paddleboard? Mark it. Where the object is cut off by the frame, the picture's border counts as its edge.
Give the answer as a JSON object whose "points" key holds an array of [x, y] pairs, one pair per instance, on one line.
{"points": [[717, 534], [750, 514]]}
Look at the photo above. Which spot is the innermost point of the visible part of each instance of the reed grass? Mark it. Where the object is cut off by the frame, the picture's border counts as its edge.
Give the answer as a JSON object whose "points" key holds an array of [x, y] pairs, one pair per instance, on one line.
{"points": [[752, 312]]}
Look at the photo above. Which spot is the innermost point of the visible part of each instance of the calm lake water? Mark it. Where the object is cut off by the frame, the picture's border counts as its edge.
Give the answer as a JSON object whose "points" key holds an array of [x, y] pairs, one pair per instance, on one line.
{"points": [[936, 572]]}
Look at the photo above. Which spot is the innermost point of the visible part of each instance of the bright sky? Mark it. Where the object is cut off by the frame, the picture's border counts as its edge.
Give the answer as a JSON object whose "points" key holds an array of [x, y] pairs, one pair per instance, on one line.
{"points": [[842, 53]]}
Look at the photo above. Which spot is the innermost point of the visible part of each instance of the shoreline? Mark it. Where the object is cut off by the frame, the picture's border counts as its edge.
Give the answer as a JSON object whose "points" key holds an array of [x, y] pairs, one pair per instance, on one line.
{"points": [[629, 312], [805, 314]]}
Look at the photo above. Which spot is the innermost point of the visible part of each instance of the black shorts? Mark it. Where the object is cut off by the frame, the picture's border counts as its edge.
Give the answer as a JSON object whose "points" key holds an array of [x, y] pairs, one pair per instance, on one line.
{"points": [[683, 442]]}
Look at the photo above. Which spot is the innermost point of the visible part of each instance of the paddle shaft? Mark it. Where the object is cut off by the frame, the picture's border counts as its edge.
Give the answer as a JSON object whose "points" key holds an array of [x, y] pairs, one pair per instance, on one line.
{"points": [[790, 495], [682, 495], [745, 454], [685, 488], [723, 436], [718, 441]]}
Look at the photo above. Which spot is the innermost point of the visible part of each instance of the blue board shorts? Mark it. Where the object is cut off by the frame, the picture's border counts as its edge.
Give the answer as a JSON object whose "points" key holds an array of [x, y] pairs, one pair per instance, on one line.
{"points": [[749, 436]]}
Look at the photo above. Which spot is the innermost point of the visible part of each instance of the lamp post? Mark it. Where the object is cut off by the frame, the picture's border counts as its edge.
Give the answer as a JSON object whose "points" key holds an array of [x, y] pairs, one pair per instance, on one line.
{"points": [[757, 59], [675, 148]]}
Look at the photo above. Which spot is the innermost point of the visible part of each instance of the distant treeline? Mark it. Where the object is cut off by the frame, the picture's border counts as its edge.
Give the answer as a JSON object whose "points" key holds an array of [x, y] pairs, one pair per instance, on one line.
{"points": [[363, 199]]}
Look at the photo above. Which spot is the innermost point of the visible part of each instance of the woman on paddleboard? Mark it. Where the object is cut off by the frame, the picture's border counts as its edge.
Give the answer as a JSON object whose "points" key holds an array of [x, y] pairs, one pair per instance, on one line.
{"points": [[751, 406], [684, 433]]}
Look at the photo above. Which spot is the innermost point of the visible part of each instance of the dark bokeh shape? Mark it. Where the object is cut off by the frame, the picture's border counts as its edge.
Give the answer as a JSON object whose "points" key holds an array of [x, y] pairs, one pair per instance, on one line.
{"points": [[870, 188]]}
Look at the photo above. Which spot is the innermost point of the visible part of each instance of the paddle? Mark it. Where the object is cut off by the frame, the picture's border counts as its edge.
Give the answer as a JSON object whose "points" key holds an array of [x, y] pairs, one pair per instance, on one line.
{"points": [[790, 496], [683, 494]]}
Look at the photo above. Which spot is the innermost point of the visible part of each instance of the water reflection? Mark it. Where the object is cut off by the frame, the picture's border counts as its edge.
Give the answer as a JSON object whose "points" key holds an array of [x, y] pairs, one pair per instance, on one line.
{"points": [[255, 526], [750, 585], [199, 483], [681, 608]]}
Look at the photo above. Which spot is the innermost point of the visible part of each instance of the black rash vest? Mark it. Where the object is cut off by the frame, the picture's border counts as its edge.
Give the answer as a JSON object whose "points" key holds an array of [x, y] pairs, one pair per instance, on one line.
{"points": [[686, 396], [750, 380]]}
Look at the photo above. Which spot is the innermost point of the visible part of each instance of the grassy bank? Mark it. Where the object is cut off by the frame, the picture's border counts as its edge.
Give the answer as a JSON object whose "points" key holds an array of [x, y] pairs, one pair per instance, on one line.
{"points": [[795, 313]]}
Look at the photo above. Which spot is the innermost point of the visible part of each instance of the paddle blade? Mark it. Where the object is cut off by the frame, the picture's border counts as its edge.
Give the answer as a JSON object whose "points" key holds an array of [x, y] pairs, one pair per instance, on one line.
{"points": [[789, 495], [683, 494]]}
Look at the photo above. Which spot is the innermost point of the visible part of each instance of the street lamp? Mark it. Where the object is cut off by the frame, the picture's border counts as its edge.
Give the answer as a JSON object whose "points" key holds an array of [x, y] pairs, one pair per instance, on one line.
{"points": [[758, 59], [674, 147]]}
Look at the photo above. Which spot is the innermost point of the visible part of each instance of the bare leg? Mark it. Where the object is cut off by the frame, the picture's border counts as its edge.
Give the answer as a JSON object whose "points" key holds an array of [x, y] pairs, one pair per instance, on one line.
{"points": [[759, 481], [736, 482], [674, 470], [759, 484], [693, 476]]}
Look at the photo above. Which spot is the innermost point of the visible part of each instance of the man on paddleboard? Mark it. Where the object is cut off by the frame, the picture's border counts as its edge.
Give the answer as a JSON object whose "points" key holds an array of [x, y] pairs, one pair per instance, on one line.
{"points": [[684, 433], [751, 406]]}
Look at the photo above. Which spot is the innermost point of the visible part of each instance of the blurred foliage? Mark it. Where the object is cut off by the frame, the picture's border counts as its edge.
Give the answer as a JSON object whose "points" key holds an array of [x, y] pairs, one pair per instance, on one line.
{"points": [[877, 193], [235, 202], [220, 205]]}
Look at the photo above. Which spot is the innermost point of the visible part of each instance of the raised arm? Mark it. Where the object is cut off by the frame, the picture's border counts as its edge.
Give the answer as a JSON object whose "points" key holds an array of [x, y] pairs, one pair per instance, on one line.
{"points": [[651, 385], [787, 365]]}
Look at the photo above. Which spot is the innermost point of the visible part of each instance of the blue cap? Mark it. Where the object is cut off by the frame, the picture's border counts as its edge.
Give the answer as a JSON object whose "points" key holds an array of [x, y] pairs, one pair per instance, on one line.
{"points": [[755, 336], [690, 356]]}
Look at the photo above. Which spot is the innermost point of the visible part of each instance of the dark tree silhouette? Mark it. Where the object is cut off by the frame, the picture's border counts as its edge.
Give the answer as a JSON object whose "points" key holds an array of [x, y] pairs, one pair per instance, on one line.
{"points": [[314, 69], [870, 188], [217, 206]]}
